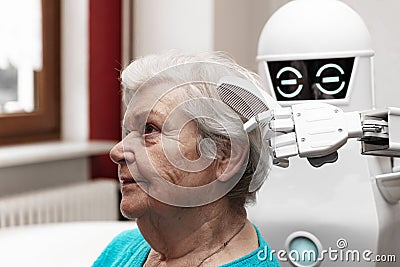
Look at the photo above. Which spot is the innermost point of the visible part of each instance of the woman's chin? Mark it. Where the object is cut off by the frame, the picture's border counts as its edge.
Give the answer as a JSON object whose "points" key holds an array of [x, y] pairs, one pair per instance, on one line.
{"points": [[132, 206]]}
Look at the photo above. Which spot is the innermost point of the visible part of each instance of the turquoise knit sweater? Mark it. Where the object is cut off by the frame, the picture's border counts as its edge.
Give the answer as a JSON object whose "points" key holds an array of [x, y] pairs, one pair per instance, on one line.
{"points": [[130, 249]]}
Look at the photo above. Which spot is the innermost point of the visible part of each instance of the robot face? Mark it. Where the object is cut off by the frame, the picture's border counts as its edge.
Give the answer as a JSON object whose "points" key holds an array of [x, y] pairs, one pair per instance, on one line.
{"points": [[311, 79]]}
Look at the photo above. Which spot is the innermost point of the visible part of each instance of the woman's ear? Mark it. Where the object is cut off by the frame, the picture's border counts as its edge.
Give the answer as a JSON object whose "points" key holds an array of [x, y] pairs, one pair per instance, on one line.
{"points": [[233, 161]]}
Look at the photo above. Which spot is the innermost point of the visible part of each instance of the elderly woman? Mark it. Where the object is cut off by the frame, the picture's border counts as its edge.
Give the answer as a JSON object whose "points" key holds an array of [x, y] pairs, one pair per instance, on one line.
{"points": [[186, 167]]}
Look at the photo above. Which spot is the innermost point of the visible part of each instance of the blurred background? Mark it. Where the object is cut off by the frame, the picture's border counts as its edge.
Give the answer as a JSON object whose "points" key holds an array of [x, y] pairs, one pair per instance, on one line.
{"points": [[60, 106]]}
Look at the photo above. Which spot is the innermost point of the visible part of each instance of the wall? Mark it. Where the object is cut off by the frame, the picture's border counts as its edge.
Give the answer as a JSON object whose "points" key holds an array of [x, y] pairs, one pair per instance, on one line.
{"points": [[206, 25], [382, 20], [238, 26], [180, 24], [231, 26], [42, 175]]}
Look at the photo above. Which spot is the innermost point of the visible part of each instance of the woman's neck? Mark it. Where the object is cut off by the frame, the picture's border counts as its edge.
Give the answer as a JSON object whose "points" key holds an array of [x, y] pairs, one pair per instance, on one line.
{"points": [[190, 233]]}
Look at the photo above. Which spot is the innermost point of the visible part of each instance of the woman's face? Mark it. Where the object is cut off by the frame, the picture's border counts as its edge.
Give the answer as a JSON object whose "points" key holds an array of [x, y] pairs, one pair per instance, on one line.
{"points": [[159, 143]]}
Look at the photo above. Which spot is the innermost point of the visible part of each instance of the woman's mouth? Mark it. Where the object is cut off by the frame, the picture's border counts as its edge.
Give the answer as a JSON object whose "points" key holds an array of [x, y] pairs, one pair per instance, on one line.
{"points": [[126, 180]]}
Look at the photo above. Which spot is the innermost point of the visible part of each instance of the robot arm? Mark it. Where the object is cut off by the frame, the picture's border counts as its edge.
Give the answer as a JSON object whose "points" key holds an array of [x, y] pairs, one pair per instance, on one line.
{"points": [[317, 130], [381, 132]]}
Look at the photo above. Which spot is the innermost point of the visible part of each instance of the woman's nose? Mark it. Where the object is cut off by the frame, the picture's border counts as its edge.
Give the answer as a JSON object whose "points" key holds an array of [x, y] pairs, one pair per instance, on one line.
{"points": [[119, 155]]}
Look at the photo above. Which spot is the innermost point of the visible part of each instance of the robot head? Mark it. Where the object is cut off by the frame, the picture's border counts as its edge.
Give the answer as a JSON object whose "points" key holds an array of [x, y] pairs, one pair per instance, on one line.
{"points": [[317, 50]]}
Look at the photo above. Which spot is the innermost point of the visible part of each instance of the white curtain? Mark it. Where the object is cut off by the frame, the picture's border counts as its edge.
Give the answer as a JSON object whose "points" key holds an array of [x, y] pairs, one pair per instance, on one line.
{"points": [[21, 34]]}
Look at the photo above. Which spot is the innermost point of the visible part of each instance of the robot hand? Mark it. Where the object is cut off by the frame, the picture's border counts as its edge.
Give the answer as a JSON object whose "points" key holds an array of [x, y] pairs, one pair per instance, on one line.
{"points": [[312, 130], [317, 130]]}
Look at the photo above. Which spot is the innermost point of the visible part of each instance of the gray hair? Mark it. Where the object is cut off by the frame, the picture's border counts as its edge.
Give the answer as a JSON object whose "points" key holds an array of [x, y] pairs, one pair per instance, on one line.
{"points": [[201, 72]]}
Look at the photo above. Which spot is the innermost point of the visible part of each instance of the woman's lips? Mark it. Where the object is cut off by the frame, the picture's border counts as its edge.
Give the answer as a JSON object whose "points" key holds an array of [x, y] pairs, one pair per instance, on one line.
{"points": [[126, 180]]}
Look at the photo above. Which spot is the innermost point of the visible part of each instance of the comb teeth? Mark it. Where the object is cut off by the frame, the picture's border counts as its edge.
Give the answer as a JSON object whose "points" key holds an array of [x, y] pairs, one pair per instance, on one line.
{"points": [[242, 101]]}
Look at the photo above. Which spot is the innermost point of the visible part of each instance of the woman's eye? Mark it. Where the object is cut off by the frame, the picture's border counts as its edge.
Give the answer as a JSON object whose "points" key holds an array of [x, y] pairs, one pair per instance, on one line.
{"points": [[149, 128]]}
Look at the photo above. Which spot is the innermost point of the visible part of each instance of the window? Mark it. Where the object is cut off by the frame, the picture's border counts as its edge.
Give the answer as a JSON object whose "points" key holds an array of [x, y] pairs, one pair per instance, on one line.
{"points": [[30, 73]]}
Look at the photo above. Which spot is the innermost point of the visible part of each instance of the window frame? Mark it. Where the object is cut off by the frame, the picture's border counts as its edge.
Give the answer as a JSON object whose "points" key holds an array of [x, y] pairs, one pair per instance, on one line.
{"points": [[44, 122]]}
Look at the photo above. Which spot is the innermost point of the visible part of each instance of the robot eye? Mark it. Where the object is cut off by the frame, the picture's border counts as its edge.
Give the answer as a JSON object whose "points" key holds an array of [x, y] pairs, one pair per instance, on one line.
{"points": [[330, 79], [312, 79], [289, 82]]}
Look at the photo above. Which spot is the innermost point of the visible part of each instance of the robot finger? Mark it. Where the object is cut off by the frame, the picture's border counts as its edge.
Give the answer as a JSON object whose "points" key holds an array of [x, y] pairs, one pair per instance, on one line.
{"points": [[284, 145]]}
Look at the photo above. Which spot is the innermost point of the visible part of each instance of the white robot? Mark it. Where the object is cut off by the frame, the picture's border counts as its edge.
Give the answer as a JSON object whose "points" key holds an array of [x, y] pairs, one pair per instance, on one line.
{"points": [[339, 189]]}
